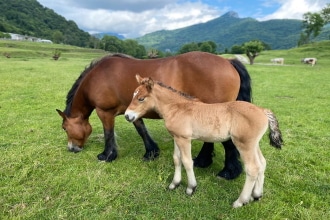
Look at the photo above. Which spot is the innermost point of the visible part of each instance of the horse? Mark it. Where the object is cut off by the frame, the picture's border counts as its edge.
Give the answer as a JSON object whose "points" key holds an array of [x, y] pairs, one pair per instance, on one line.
{"points": [[107, 84], [188, 118]]}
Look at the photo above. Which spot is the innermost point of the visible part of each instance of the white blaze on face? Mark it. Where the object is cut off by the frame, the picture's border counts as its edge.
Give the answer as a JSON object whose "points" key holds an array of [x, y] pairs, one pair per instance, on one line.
{"points": [[135, 93]]}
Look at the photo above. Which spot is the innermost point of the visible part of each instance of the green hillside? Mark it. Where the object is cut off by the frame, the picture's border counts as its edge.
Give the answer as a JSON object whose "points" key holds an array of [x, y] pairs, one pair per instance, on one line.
{"points": [[29, 17], [229, 30]]}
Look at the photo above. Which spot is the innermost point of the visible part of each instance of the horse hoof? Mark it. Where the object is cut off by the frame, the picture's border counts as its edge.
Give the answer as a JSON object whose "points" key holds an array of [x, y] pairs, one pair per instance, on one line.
{"points": [[107, 158], [230, 172], [173, 186], [237, 204], [190, 191], [151, 155], [202, 162]]}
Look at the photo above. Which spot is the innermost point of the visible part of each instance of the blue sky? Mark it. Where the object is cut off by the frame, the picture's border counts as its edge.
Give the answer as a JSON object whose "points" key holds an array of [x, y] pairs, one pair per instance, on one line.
{"points": [[134, 18]]}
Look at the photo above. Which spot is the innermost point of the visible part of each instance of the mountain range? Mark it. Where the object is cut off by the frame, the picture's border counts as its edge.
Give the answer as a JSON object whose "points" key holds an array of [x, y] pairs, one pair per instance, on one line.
{"points": [[229, 30], [29, 17]]}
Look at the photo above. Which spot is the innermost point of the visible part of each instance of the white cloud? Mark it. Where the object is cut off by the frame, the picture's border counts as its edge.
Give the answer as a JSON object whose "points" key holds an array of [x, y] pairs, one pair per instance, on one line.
{"points": [[134, 18], [132, 24], [294, 9]]}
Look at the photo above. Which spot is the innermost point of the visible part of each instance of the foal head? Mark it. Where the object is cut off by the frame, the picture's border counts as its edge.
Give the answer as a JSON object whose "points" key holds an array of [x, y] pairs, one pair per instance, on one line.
{"points": [[141, 102], [77, 130]]}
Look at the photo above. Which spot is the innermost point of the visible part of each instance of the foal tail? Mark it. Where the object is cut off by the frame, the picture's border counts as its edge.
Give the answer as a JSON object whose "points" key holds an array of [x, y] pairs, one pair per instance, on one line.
{"points": [[275, 135]]}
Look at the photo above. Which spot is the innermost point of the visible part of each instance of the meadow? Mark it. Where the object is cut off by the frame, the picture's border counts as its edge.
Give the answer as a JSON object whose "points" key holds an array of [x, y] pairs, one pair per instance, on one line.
{"points": [[40, 179]]}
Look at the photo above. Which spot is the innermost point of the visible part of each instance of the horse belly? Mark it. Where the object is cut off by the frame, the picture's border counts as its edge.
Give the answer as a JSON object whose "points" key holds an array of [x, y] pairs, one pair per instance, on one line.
{"points": [[211, 132]]}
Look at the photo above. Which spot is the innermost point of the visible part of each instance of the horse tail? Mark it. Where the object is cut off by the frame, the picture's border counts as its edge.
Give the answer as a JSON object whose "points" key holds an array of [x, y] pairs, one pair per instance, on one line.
{"points": [[275, 135], [245, 90]]}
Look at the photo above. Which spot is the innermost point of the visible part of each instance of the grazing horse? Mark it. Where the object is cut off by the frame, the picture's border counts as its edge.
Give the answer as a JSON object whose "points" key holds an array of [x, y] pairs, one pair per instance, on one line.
{"points": [[107, 84], [187, 118]]}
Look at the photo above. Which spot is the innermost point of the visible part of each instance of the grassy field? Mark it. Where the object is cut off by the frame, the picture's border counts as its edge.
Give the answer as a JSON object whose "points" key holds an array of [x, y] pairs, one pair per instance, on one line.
{"points": [[40, 179]]}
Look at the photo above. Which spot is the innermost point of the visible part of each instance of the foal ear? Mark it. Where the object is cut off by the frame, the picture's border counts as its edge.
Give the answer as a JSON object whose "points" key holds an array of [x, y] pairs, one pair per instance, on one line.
{"points": [[150, 84], [62, 114], [138, 78]]}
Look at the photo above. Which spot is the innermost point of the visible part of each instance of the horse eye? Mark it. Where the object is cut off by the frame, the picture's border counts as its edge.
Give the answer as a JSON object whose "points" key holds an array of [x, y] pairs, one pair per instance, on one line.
{"points": [[141, 99]]}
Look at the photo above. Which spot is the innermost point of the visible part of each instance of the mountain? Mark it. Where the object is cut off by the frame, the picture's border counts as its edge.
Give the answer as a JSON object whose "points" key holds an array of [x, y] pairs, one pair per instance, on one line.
{"points": [[101, 35], [29, 17], [226, 31]]}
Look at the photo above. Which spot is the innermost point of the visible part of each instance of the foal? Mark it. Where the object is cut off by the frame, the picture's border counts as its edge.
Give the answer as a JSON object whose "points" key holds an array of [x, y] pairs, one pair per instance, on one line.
{"points": [[187, 118]]}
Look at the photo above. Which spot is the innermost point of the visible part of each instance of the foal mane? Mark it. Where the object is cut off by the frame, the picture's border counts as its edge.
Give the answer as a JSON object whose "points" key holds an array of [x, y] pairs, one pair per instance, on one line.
{"points": [[95, 62], [185, 95]]}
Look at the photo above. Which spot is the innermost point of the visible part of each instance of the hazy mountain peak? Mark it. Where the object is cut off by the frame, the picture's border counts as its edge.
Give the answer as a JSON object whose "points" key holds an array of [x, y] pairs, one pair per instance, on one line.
{"points": [[231, 14]]}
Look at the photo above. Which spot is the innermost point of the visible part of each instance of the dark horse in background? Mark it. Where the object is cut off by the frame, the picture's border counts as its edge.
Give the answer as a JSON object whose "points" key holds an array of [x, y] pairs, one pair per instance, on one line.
{"points": [[107, 86]]}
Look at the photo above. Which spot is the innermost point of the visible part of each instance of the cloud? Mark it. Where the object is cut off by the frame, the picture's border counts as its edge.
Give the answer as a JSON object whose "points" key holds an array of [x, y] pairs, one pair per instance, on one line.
{"points": [[293, 9], [134, 18], [133, 24]]}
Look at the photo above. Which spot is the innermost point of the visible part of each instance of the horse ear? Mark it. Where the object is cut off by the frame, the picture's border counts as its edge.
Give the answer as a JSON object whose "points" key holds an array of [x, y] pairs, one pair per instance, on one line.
{"points": [[62, 114], [138, 78], [150, 84]]}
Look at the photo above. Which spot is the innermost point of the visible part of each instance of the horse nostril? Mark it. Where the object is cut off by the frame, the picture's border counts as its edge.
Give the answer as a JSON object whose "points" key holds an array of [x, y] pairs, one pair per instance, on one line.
{"points": [[128, 118]]}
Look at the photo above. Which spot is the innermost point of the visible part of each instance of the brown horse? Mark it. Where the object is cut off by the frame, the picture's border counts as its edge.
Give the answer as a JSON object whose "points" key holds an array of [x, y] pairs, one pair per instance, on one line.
{"points": [[187, 119], [107, 84]]}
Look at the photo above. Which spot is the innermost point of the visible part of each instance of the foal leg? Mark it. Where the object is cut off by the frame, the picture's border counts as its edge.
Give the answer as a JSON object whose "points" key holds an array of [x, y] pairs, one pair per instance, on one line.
{"points": [[252, 164], [233, 167], [177, 164], [185, 148], [152, 150], [258, 188]]}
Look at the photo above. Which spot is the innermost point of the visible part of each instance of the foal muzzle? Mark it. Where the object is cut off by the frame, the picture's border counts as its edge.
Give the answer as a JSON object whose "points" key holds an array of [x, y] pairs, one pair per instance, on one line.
{"points": [[130, 116]]}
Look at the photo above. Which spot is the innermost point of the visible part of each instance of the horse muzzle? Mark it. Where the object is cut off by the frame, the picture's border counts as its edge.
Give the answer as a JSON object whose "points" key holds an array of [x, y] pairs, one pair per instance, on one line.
{"points": [[74, 148], [130, 116]]}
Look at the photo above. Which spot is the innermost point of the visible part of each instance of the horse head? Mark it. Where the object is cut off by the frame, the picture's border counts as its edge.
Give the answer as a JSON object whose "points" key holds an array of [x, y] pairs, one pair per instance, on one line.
{"points": [[139, 104], [77, 129]]}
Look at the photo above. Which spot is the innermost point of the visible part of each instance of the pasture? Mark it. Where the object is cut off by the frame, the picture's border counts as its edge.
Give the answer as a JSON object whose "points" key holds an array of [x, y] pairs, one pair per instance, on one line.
{"points": [[40, 179]]}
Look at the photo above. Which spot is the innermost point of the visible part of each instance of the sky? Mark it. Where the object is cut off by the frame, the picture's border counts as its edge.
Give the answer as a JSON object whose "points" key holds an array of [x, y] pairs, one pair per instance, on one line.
{"points": [[135, 18]]}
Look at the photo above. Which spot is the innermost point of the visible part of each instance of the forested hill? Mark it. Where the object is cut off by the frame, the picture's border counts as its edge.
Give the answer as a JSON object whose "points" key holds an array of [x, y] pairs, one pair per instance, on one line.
{"points": [[29, 17], [229, 30]]}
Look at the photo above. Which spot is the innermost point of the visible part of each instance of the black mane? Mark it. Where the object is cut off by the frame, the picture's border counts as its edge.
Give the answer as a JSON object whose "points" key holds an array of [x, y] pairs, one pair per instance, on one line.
{"points": [[72, 91], [185, 95]]}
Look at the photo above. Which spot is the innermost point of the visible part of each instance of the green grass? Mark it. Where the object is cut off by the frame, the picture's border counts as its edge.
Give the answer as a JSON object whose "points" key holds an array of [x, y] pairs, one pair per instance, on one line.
{"points": [[40, 179]]}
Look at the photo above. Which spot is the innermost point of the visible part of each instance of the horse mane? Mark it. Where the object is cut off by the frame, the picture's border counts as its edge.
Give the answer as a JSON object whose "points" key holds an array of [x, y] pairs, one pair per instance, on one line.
{"points": [[185, 95], [95, 62]]}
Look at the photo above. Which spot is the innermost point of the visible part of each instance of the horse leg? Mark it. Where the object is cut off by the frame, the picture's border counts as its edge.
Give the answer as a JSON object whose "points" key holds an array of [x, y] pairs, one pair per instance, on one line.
{"points": [[258, 188], [152, 150], [177, 164], [253, 167], [204, 158], [185, 149], [233, 167], [110, 148]]}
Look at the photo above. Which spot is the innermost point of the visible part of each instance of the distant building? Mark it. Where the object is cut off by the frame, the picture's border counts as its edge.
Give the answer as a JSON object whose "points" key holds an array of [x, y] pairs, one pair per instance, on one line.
{"points": [[20, 37]]}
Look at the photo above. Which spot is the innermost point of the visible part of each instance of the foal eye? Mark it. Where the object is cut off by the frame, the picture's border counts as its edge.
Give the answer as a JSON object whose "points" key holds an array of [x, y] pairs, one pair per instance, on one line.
{"points": [[141, 99]]}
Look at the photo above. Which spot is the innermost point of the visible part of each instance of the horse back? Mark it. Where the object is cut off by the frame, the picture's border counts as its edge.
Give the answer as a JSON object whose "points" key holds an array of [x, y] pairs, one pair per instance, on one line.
{"points": [[211, 78]]}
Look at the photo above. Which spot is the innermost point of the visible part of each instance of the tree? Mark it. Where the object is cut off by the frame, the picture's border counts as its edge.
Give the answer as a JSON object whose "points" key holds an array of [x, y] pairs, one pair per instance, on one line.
{"points": [[58, 37], [237, 49], [313, 23], [325, 13], [252, 49], [206, 47], [188, 47], [112, 44]]}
